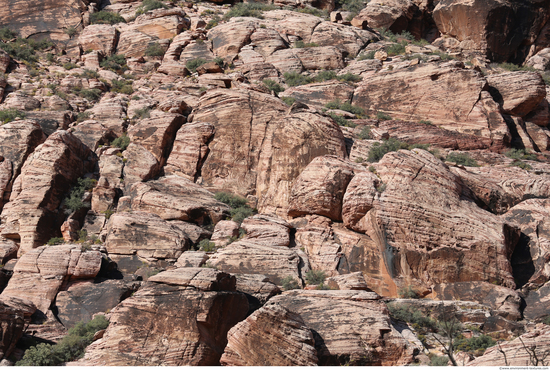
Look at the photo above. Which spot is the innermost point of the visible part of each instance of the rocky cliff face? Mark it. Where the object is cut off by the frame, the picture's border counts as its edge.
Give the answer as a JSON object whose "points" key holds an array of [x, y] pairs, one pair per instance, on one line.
{"points": [[277, 183]]}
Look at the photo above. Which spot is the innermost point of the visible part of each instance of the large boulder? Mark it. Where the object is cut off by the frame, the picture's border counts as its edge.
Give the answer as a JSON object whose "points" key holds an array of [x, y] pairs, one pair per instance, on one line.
{"points": [[45, 179], [499, 29], [100, 37], [518, 93], [15, 314], [178, 317], [260, 146], [39, 274], [271, 336], [349, 327], [393, 15], [448, 95]]}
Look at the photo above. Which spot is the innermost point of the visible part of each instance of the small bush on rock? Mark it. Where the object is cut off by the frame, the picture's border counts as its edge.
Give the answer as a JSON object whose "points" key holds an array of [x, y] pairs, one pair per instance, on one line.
{"points": [[105, 17], [462, 159], [148, 5], [474, 344], [122, 87], [74, 202], [239, 206], [289, 283], [121, 142], [378, 150], [193, 64], [154, 50], [521, 154], [296, 79], [248, 10], [115, 63], [273, 86], [315, 277], [365, 133], [206, 245], [8, 115], [56, 241]]}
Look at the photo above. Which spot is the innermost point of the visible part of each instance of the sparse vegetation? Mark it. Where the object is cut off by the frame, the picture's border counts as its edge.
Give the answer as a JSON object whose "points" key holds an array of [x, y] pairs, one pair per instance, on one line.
{"points": [[413, 316], [8, 115], [378, 150], [289, 283], [21, 49], [74, 202], [55, 241], [89, 74], [514, 67], [148, 5], [142, 113], [367, 55], [248, 10], [122, 87], [89, 94], [300, 44], [115, 63], [439, 361], [521, 154], [239, 206], [296, 79], [345, 106], [341, 121], [70, 31], [315, 277], [193, 64], [407, 292], [462, 159], [105, 17], [474, 344], [69, 66], [383, 116], [273, 86], [121, 142], [154, 50], [288, 100], [67, 349], [82, 116], [365, 133], [206, 245]]}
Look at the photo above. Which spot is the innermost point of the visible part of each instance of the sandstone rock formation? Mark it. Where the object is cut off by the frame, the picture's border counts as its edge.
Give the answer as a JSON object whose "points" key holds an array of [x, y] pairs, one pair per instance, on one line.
{"points": [[15, 314]]}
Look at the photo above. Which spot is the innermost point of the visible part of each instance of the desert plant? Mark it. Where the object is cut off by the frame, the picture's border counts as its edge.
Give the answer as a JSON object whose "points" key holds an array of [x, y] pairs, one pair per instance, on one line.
{"points": [[20, 48], [273, 86], [193, 64], [248, 10], [74, 201], [365, 133], [315, 277], [154, 50], [462, 159], [301, 44], [10, 114], [82, 116], [289, 283], [407, 292], [122, 87], [341, 121], [296, 79], [55, 241], [90, 94], [105, 17], [148, 5], [349, 77], [121, 142], [115, 63], [474, 344], [383, 116], [220, 62], [378, 150], [521, 154], [345, 106], [142, 113], [367, 55], [239, 206], [206, 245], [239, 214], [396, 49], [70, 31], [439, 361], [6, 34], [313, 11], [288, 100], [422, 323], [89, 74], [69, 66]]}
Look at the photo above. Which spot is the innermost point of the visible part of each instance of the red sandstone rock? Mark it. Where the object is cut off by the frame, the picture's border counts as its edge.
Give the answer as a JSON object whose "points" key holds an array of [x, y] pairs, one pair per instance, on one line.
{"points": [[100, 37], [519, 93], [15, 314]]}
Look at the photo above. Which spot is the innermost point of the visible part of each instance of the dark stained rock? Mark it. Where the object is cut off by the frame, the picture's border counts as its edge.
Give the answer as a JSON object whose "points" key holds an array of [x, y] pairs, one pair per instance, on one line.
{"points": [[15, 315]]}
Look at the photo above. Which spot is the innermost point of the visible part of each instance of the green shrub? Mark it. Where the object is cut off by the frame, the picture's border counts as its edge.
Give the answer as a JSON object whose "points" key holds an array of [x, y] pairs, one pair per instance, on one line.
{"points": [[289, 283], [70, 31], [233, 201], [439, 361], [213, 22], [367, 55], [148, 5], [8, 115], [296, 79], [313, 11], [239, 214], [325, 76], [70, 348], [521, 154], [122, 87], [154, 50], [345, 106], [74, 201], [82, 116], [193, 64], [546, 320], [462, 159], [396, 49], [407, 292], [513, 67], [6, 34], [412, 316], [121, 142], [115, 63], [288, 100], [522, 165], [105, 17], [341, 121], [89, 74], [383, 116], [473, 344], [442, 55], [349, 77], [377, 151], [273, 86], [206, 245], [248, 10], [90, 94], [315, 277], [300, 44], [142, 113], [220, 62], [69, 66], [56, 241], [365, 133], [429, 123], [22, 49]]}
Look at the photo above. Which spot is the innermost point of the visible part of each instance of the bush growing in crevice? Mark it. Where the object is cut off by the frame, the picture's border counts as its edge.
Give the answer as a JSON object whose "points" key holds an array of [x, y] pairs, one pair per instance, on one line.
{"points": [[289, 283], [74, 202], [115, 63], [315, 277], [462, 159], [248, 10], [273, 86], [105, 17], [206, 245], [154, 50], [9, 115], [239, 207], [121, 142], [345, 106], [148, 5], [193, 64]]}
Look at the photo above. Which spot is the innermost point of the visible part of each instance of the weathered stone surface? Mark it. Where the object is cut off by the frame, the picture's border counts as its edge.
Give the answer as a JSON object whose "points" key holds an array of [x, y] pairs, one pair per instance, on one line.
{"points": [[536, 303], [176, 198], [21, 101], [93, 134], [144, 234], [223, 231], [321, 57], [349, 327], [518, 92], [350, 40], [456, 230], [321, 186], [319, 94], [99, 37], [133, 43], [272, 336], [81, 300], [162, 23], [45, 178], [257, 148], [481, 23], [505, 301], [38, 274], [537, 339], [353, 281], [111, 112], [178, 324], [422, 133], [501, 188], [530, 259], [204, 279], [359, 199], [45, 18], [190, 149], [192, 259], [393, 15], [446, 94], [228, 39], [258, 289], [156, 134], [15, 314], [8, 250], [4, 63], [141, 164]]}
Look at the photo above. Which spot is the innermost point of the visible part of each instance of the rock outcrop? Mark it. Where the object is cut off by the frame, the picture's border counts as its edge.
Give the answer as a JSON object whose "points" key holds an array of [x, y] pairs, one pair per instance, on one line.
{"points": [[15, 314]]}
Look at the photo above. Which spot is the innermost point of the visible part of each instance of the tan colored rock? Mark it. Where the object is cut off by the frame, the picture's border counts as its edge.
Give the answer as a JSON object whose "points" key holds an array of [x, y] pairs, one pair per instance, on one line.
{"points": [[4, 63], [267, 41], [38, 274], [110, 166], [3, 84], [224, 231], [321, 93], [501, 188], [15, 314], [353, 281], [194, 331], [94, 133], [157, 133], [394, 15], [21, 101], [99, 37], [190, 149], [272, 335], [321, 57], [267, 230], [144, 234], [141, 164], [285, 60], [321, 186], [289, 23], [192, 259], [537, 340], [228, 39], [539, 135], [8, 250], [519, 93], [45, 178], [257, 148], [111, 112], [359, 199], [424, 216], [348, 39], [259, 71], [458, 94], [259, 287], [349, 326], [103, 196], [69, 230], [133, 43], [204, 279], [177, 198]]}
